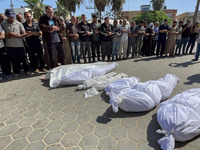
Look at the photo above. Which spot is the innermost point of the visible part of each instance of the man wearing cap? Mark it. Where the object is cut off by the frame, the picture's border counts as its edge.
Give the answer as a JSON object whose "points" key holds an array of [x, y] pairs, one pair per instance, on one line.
{"points": [[95, 38], [2, 17], [14, 34], [51, 27]]}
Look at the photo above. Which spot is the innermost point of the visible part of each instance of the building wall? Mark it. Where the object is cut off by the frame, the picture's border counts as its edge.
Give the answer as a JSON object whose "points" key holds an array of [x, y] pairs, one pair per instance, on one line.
{"points": [[187, 15]]}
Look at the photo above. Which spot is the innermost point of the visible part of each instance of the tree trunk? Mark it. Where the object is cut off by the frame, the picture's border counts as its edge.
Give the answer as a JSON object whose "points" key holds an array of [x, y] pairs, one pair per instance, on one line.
{"points": [[196, 11]]}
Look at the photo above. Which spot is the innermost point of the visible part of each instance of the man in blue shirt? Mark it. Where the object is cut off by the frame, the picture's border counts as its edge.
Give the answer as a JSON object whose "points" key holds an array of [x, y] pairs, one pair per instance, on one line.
{"points": [[163, 30]]}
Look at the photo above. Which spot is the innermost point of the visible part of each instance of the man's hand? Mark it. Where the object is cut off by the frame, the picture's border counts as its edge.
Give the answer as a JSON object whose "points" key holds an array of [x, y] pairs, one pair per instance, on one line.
{"points": [[14, 35], [76, 36], [55, 28], [64, 38], [89, 33], [96, 31], [109, 33]]}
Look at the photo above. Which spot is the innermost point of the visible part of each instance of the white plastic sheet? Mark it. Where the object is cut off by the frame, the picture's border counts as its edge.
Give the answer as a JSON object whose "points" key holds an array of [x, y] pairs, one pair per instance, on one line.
{"points": [[77, 73], [179, 118], [133, 96]]}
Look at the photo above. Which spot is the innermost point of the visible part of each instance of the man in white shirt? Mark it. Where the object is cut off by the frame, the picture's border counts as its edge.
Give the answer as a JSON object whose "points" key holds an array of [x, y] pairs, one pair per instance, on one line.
{"points": [[178, 38], [124, 39], [4, 61]]}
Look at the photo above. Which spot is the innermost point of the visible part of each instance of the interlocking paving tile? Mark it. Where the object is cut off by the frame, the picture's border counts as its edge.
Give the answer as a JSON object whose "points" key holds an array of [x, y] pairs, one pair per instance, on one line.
{"points": [[38, 134], [31, 112], [27, 121], [128, 122], [107, 143], [57, 108], [19, 144], [22, 132], [119, 132], [69, 109], [41, 123], [54, 125], [56, 116], [43, 114], [88, 142], [70, 127], [71, 139], [69, 117], [55, 147], [102, 130], [126, 144], [83, 118], [81, 110], [14, 119], [8, 130], [5, 141], [85, 129], [53, 137], [36, 146], [137, 134], [94, 111]]}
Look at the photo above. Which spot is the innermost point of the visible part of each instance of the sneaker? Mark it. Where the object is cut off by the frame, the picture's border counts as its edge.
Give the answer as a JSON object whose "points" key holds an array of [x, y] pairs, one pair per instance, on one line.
{"points": [[37, 71], [44, 70], [194, 59], [9, 77]]}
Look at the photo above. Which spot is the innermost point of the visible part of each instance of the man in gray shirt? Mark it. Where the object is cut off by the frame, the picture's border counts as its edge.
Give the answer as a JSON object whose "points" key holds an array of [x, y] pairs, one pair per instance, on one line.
{"points": [[14, 34]]}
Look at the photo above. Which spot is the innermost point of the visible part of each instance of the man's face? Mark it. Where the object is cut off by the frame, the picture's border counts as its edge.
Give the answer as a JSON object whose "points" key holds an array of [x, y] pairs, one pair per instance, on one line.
{"points": [[156, 24], [2, 17], [11, 19], [19, 18], [49, 12], [73, 20], [115, 23], [188, 21], [124, 22], [141, 24], [132, 24], [165, 22], [181, 24], [83, 18], [28, 17], [94, 19], [107, 21]]}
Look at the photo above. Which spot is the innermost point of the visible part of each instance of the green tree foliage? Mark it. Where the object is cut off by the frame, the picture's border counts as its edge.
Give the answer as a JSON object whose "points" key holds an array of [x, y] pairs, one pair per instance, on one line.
{"points": [[157, 4], [70, 5], [152, 16], [61, 10], [37, 7]]}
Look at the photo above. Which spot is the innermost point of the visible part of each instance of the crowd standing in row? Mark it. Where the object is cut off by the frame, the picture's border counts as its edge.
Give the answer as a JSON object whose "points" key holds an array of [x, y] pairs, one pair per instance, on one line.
{"points": [[69, 42]]}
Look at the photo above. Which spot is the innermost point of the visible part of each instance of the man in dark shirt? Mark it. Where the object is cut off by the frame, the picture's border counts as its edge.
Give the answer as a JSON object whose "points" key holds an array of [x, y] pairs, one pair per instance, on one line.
{"points": [[34, 43], [106, 31], [163, 30], [74, 40], [95, 38], [132, 40], [185, 35], [51, 27], [85, 32]]}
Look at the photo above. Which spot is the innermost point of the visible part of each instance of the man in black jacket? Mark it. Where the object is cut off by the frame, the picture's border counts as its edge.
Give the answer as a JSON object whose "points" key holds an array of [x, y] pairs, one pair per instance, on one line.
{"points": [[106, 31], [85, 32]]}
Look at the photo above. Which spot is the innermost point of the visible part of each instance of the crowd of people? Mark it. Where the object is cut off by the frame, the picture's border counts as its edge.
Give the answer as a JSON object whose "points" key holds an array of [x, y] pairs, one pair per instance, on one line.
{"points": [[36, 46]]}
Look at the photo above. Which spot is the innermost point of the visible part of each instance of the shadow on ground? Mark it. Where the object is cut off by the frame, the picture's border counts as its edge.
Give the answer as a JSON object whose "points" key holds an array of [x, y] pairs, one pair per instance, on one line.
{"points": [[184, 64], [193, 79]]}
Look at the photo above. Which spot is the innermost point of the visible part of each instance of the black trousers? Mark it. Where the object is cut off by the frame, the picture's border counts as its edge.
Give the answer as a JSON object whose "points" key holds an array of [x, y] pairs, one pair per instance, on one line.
{"points": [[155, 43], [56, 50], [96, 46], [106, 49], [4, 61], [35, 53], [161, 43], [18, 54]]}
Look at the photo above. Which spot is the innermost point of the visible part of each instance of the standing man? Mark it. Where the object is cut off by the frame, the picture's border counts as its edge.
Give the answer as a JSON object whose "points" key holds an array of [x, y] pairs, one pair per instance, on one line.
{"points": [[140, 35], [155, 38], [178, 38], [34, 45], [132, 40], [4, 60], [185, 35], [116, 38], [51, 27], [124, 39], [95, 38], [19, 17], [163, 30], [106, 30], [85, 32], [14, 33], [72, 32]]}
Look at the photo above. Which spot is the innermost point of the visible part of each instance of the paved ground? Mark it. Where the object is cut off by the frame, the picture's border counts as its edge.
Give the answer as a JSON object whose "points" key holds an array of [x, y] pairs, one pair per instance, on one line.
{"points": [[34, 117]]}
